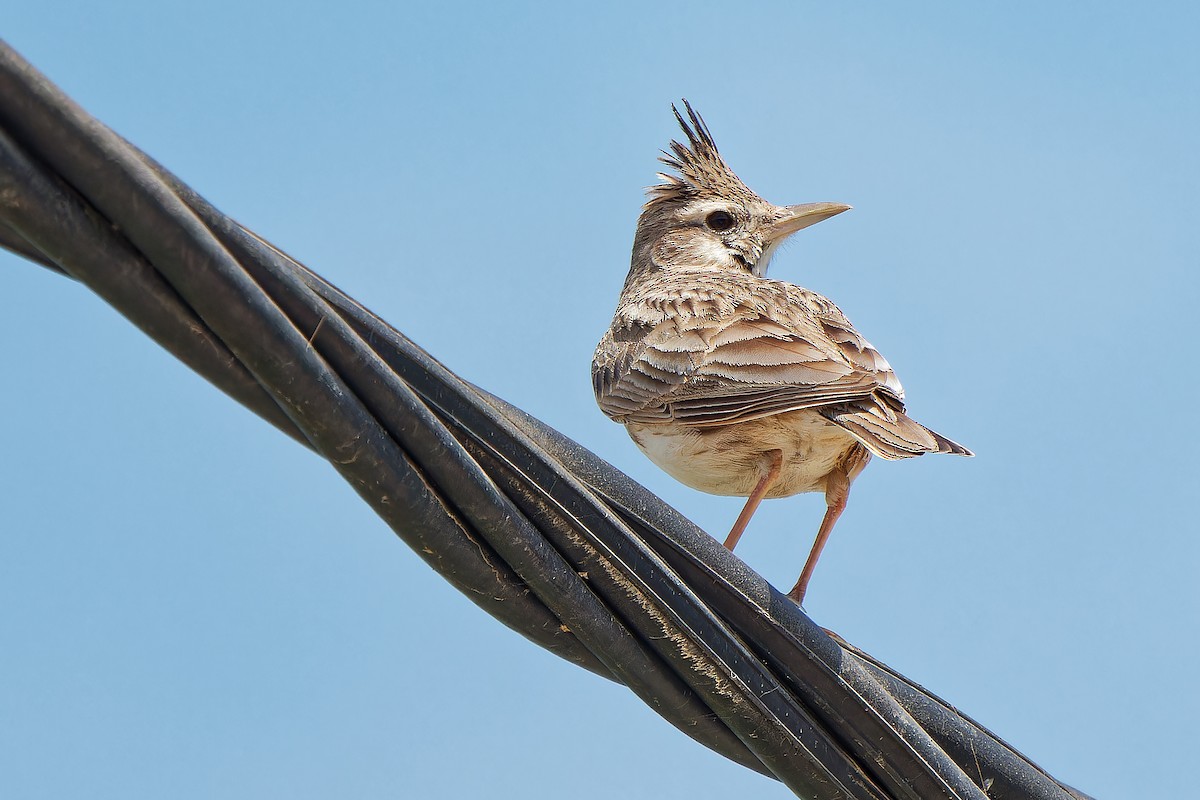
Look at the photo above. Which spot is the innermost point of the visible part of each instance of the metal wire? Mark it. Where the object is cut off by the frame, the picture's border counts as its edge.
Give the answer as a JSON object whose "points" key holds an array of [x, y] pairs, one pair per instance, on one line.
{"points": [[540, 533]]}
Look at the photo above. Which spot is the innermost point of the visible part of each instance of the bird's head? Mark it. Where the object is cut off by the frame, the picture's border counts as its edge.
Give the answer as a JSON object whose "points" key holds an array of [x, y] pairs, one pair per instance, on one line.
{"points": [[705, 217]]}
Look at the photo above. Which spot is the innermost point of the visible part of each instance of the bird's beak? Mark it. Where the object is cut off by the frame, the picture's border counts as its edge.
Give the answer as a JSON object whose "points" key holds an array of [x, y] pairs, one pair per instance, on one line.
{"points": [[794, 218]]}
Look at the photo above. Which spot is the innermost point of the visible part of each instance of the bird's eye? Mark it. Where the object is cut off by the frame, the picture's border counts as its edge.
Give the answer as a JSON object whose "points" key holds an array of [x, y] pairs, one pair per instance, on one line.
{"points": [[719, 221]]}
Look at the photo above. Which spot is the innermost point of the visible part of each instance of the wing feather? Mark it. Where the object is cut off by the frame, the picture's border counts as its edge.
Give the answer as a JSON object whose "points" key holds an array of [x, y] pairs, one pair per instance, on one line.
{"points": [[739, 352], [707, 350]]}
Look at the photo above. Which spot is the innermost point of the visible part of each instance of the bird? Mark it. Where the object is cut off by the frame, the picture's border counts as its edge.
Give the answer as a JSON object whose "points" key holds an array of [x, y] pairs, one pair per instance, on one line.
{"points": [[734, 383]]}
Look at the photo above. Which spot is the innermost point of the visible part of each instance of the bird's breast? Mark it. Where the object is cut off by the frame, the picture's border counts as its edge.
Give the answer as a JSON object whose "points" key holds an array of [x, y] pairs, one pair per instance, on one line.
{"points": [[730, 459]]}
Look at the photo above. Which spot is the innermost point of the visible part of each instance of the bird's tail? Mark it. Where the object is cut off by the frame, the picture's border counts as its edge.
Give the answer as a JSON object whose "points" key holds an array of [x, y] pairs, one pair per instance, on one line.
{"points": [[887, 431]]}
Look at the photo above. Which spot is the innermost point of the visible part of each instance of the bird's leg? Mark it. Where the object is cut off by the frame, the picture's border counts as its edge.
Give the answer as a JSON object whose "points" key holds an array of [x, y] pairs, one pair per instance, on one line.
{"points": [[760, 491], [837, 492]]}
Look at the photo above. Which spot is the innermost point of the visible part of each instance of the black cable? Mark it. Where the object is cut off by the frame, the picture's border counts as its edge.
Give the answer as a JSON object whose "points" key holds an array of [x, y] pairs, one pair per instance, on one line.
{"points": [[537, 531]]}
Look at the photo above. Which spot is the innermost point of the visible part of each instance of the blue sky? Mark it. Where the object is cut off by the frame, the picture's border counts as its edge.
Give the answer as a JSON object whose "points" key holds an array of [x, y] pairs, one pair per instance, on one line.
{"points": [[193, 606]]}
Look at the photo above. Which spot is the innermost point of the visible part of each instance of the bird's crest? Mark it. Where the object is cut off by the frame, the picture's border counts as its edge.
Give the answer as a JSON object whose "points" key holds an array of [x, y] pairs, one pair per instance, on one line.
{"points": [[701, 168]]}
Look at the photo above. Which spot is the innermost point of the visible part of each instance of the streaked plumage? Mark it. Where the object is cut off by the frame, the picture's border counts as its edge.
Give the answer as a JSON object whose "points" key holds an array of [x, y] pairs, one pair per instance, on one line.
{"points": [[720, 374]]}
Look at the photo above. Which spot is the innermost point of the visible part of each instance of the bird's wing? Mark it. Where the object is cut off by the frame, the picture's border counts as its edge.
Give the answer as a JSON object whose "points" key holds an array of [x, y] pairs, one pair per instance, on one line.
{"points": [[757, 360]]}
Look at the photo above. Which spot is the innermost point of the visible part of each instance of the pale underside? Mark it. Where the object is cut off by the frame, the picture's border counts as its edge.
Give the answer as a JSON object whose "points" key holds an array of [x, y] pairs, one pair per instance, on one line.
{"points": [[730, 459]]}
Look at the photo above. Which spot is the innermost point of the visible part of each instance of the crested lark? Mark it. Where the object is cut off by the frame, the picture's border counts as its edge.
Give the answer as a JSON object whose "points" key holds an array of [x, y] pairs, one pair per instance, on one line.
{"points": [[733, 383]]}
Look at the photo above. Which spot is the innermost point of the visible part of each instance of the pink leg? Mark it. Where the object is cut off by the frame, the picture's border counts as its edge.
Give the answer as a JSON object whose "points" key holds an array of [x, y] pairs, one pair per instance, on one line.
{"points": [[837, 492], [760, 491], [832, 512]]}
